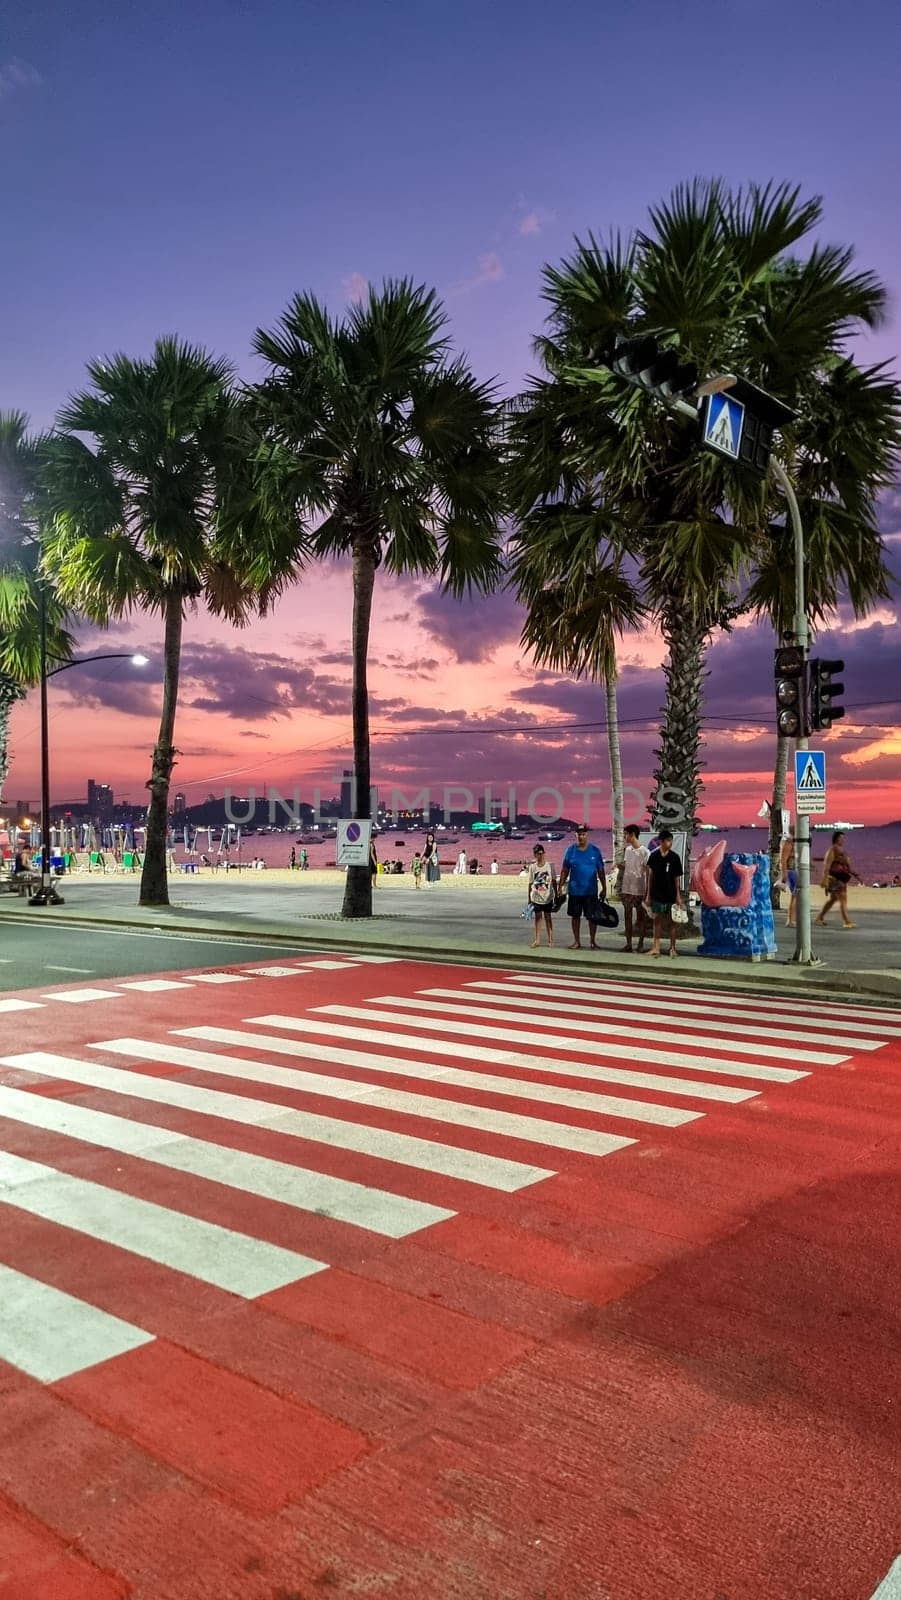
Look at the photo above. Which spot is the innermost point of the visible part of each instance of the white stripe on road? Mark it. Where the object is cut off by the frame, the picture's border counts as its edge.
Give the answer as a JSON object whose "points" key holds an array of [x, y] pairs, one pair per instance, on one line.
{"points": [[231, 1261], [425, 1155], [372, 1061], [713, 1007], [526, 1061], [767, 1002], [890, 1587], [557, 1041], [558, 1134], [395, 1216], [50, 1335], [601, 1010], [506, 1013], [77, 997], [154, 985]]}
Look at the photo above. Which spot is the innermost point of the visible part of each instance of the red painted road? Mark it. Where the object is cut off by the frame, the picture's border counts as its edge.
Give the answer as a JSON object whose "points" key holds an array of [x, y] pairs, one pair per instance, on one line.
{"points": [[433, 1283]]}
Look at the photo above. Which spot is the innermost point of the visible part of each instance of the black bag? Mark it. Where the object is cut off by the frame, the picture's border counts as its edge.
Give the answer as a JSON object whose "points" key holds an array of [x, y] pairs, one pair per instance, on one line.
{"points": [[604, 915], [559, 901]]}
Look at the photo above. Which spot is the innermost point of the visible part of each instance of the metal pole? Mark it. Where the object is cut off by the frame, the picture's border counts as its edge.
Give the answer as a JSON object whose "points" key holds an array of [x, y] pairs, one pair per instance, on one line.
{"points": [[803, 952], [46, 895]]}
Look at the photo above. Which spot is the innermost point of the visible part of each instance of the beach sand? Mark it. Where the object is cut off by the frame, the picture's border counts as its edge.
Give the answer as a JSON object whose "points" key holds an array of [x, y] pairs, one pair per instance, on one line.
{"points": [[508, 884]]}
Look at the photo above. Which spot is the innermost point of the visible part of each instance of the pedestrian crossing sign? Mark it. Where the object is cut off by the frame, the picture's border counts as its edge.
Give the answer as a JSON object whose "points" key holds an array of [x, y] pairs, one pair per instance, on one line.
{"points": [[723, 425], [810, 782]]}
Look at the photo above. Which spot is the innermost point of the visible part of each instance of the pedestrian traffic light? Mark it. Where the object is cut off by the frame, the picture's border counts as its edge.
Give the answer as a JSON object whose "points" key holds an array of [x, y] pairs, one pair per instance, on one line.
{"points": [[643, 362], [824, 693], [791, 695]]}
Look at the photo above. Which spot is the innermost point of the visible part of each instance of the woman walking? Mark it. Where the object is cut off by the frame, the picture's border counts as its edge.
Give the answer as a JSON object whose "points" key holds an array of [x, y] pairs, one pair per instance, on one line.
{"points": [[788, 872], [542, 889], [837, 874], [430, 859]]}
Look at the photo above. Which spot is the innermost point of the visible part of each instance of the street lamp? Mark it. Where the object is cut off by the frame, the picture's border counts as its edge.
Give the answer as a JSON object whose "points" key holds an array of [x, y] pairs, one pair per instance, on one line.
{"points": [[47, 895]]}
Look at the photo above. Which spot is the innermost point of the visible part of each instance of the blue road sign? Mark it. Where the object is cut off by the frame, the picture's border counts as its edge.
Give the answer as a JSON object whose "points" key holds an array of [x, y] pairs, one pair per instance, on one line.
{"points": [[723, 425], [810, 782]]}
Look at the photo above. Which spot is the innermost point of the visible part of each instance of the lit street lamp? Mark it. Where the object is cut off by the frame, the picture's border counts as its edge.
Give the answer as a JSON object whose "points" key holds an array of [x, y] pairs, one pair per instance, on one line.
{"points": [[47, 895]]}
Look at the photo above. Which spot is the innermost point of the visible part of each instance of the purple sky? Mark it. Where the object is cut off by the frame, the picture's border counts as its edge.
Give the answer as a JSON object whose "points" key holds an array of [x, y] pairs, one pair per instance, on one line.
{"points": [[185, 168]]}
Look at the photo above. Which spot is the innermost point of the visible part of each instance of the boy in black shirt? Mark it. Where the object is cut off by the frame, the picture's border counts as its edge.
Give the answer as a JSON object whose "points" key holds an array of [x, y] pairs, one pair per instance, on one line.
{"points": [[663, 889]]}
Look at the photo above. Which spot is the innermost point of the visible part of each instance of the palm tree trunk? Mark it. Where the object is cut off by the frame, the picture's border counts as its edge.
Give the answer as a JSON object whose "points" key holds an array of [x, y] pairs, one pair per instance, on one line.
{"points": [[154, 882], [616, 766], [358, 882], [780, 779], [678, 785]]}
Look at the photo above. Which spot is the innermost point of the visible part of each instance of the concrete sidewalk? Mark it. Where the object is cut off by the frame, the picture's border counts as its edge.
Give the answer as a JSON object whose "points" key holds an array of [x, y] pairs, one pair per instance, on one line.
{"points": [[441, 925]]}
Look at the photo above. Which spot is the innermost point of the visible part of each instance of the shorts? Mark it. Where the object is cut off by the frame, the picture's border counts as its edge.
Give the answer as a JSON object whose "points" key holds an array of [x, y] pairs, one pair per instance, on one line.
{"points": [[662, 908], [635, 902], [791, 878], [582, 905], [538, 911]]}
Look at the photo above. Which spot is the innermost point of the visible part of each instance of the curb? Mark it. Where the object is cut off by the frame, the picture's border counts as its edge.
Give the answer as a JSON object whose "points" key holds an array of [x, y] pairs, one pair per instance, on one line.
{"points": [[871, 985]]}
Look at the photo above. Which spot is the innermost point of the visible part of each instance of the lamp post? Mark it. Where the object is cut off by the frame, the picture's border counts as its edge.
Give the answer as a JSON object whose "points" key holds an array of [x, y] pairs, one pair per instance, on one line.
{"points": [[47, 894]]}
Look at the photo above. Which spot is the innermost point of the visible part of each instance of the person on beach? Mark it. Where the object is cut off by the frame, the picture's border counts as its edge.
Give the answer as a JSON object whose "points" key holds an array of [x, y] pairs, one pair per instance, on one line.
{"points": [[837, 874], [542, 890], [632, 873], [494, 867], [293, 860], [430, 859], [663, 889], [584, 872], [460, 868], [373, 863], [417, 871], [788, 874]]}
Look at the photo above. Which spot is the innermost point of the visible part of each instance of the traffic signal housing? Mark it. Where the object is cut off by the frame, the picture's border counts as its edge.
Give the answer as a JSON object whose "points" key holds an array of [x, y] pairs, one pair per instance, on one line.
{"points": [[644, 362], [824, 693], [791, 691]]}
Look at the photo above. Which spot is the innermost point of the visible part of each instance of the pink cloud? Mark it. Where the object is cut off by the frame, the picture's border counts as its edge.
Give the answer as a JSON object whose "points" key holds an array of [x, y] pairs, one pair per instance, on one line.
{"points": [[355, 287]]}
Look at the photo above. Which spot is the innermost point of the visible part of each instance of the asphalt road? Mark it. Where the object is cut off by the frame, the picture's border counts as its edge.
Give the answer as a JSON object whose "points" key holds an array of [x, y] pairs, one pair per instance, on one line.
{"points": [[33, 952]]}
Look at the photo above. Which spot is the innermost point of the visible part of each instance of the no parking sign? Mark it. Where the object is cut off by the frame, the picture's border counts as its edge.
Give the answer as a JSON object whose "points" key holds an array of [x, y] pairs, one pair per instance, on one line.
{"points": [[353, 842]]}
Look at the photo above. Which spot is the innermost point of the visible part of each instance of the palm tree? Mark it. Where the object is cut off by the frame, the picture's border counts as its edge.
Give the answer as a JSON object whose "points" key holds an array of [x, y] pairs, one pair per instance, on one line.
{"points": [[716, 277], [571, 576], [158, 512], [20, 580], [395, 451]]}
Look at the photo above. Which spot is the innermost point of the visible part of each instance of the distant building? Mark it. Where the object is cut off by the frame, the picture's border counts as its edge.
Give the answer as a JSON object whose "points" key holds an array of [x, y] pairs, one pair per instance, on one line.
{"points": [[179, 805], [347, 789], [100, 799]]}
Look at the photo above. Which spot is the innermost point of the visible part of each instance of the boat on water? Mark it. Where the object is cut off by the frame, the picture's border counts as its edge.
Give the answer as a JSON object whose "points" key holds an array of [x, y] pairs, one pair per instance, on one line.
{"points": [[516, 833], [836, 827], [550, 836]]}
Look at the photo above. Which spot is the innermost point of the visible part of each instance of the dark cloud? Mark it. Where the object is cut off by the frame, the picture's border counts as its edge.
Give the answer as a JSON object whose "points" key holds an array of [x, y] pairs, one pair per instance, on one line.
{"points": [[254, 686], [471, 629]]}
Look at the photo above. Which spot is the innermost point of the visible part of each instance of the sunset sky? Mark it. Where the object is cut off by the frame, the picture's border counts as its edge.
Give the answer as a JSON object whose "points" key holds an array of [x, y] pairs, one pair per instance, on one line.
{"points": [[186, 168]]}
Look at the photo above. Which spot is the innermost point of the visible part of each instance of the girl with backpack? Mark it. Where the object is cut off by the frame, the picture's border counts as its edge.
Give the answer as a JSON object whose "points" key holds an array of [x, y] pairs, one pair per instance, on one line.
{"points": [[542, 893]]}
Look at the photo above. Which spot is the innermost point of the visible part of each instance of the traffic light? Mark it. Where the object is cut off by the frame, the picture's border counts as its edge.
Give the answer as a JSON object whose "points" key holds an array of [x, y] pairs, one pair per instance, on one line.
{"points": [[643, 362], [824, 693], [791, 691]]}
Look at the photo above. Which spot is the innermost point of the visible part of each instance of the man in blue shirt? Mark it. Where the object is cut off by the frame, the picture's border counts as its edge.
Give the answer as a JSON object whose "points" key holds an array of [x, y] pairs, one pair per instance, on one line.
{"points": [[583, 870]]}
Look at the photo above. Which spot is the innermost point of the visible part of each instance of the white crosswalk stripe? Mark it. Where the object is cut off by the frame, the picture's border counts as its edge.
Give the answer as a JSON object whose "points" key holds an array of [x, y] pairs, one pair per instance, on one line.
{"points": [[232, 1261], [712, 1008], [508, 1013], [622, 1019], [393, 1215], [322, 1021], [401, 1148], [50, 1335], [766, 1004]]}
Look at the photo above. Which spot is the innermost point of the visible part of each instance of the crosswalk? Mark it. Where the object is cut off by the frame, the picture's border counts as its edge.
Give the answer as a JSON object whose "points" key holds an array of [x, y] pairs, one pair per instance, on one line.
{"points": [[377, 1117]]}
